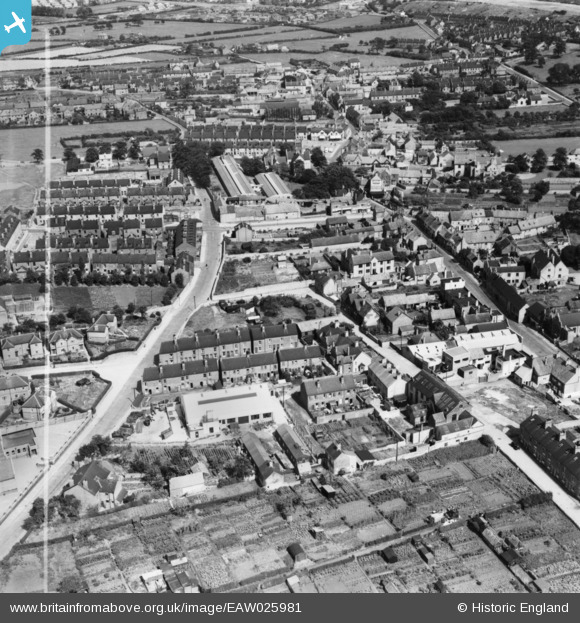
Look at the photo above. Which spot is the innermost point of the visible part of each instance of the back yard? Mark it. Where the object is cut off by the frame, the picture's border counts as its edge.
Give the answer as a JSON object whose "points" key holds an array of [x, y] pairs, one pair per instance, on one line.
{"points": [[80, 397]]}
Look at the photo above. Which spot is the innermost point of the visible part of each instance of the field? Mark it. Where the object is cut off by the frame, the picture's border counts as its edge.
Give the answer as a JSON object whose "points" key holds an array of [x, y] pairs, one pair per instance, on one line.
{"points": [[541, 73], [372, 19], [18, 143], [328, 57], [80, 398], [238, 275], [104, 298], [173, 31], [494, 7], [529, 145], [18, 184]]}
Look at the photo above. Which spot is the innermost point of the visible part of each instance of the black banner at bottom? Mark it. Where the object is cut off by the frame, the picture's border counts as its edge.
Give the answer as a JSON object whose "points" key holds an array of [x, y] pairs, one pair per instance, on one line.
{"points": [[287, 607]]}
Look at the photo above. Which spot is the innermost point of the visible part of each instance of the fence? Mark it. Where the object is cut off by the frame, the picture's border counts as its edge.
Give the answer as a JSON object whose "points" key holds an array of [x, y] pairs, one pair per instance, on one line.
{"points": [[72, 417], [44, 471]]}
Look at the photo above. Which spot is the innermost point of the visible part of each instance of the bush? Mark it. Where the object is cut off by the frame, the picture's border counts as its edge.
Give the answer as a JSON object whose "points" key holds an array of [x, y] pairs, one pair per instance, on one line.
{"points": [[487, 441], [536, 499]]}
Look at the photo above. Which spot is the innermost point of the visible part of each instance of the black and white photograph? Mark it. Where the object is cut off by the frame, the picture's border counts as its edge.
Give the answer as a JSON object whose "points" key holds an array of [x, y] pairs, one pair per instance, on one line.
{"points": [[290, 301]]}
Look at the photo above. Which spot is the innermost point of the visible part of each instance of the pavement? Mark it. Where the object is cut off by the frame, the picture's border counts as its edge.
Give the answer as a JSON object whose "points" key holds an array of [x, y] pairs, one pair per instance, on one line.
{"points": [[494, 423], [532, 340], [124, 370]]}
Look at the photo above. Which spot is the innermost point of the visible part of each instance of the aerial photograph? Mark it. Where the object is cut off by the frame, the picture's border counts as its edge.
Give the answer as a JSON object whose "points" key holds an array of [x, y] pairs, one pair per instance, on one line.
{"points": [[290, 296]]}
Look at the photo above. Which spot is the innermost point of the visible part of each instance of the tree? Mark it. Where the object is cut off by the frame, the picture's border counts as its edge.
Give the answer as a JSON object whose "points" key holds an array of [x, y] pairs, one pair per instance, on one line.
{"points": [[31, 276], [512, 189], [318, 158], [134, 152], [71, 584], [252, 166], [120, 151], [239, 468], [179, 280], [36, 515], [560, 74], [84, 12], [352, 115], [119, 314], [92, 155], [539, 161], [469, 98], [487, 441], [519, 163], [194, 161], [559, 47], [131, 308], [97, 446], [79, 314], [68, 154], [37, 155], [560, 158], [56, 320]]}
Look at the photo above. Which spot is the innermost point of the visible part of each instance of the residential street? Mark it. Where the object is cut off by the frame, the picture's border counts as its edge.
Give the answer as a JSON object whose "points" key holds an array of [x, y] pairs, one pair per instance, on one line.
{"points": [[531, 339], [494, 423], [124, 371]]}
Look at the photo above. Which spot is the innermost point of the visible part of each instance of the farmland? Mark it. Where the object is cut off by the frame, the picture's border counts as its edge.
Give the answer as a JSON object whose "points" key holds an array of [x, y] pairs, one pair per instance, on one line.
{"points": [[18, 143], [77, 35]]}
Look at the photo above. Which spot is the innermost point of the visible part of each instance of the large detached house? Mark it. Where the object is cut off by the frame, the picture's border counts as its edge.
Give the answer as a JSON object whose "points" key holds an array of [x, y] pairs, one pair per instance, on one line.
{"points": [[97, 484]]}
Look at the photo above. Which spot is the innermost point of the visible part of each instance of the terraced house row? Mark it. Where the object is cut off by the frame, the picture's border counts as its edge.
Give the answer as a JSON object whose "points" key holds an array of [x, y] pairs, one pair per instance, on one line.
{"points": [[209, 371], [230, 343]]}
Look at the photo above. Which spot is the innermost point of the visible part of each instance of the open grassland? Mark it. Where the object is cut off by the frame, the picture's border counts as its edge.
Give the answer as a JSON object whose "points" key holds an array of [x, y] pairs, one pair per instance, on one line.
{"points": [[18, 143], [529, 145]]}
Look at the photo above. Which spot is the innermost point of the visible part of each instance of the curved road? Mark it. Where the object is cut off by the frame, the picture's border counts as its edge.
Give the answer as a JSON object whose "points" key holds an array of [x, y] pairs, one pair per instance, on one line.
{"points": [[124, 371]]}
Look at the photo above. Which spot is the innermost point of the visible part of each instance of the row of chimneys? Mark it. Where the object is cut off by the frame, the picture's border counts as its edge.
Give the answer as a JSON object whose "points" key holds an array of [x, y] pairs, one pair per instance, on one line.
{"points": [[341, 382], [217, 333], [206, 359]]}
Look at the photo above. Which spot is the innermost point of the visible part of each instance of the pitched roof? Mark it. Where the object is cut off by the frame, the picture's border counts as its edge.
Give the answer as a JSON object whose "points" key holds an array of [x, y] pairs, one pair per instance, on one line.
{"points": [[329, 385]]}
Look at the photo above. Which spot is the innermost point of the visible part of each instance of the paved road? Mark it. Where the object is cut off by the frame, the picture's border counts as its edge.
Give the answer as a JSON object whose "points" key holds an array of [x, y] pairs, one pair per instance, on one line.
{"points": [[535, 342], [124, 371]]}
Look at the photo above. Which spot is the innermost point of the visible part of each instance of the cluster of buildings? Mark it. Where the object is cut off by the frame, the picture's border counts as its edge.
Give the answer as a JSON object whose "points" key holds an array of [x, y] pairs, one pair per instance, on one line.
{"points": [[231, 357], [110, 223], [64, 345]]}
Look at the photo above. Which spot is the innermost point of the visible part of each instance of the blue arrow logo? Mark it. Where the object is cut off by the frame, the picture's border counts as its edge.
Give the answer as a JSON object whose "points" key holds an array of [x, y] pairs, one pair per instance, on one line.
{"points": [[15, 23]]}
